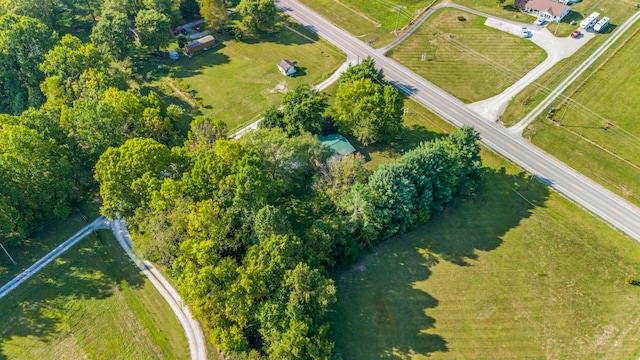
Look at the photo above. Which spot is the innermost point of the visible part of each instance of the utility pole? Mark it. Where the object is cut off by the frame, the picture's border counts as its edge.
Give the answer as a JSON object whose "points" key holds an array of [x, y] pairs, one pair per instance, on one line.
{"points": [[565, 111], [6, 252]]}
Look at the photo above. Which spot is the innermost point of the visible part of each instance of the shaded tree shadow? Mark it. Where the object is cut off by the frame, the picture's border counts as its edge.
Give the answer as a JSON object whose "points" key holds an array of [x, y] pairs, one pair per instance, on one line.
{"points": [[478, 222], [45, 307], [510, 8], [609, 29], [286, 33], [151, 68], [406, 89], [411, 136], [383, 300], [380, 312], [572, 16]]}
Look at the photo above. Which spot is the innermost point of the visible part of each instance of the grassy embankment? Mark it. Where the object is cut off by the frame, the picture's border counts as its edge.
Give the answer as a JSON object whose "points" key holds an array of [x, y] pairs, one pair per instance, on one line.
{"points": [[372, 21], [513, 271], [92, 302], [466, 58], [238, 80]]}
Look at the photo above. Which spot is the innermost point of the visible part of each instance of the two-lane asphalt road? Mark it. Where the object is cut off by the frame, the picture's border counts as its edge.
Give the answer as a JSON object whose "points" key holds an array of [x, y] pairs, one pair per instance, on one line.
{"points": [[590, 195]]}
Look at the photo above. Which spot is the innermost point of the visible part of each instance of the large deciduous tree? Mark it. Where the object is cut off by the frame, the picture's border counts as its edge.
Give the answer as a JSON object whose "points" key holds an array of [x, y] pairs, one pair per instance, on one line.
{"points": [[112, 34], [258, 15], [301, 110], [152, 28], [214, 12], [189, 9], [23, 43], [35, 178], [128, 173], [370, 111], [66, 63]]}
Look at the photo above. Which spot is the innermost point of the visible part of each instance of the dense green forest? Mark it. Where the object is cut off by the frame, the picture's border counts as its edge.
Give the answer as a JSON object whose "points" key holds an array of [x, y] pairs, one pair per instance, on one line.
{"points": [[250, 228]]}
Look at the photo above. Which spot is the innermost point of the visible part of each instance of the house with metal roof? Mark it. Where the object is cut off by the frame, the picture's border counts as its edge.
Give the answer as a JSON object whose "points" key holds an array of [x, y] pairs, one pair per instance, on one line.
{"points": [[197, 46], [337, 144]]}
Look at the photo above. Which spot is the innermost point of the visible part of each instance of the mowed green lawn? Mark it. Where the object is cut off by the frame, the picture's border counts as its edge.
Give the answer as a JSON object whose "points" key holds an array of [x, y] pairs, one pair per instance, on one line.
{"points": [[608, 154], [513, 271], [238, 80], [495, 276], [92, 302], [466, 58], [372, 21]]}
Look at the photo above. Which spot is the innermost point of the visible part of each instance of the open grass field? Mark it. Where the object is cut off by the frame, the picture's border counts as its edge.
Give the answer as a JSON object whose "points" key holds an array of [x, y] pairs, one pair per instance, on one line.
{"points": [[92, 302], [466, 58], [493, 276], [618, 11], [238, 80], [373, 21], [609, 154]]}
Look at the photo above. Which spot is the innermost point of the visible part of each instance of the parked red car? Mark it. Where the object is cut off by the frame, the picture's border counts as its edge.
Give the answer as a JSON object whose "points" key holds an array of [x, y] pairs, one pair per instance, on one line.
{"points": [[197, 27], [174, 31], [575, 34]]}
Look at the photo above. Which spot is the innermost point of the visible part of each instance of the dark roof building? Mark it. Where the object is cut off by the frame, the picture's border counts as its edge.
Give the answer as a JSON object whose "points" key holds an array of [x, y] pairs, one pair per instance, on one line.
{"points": [[202, 44]]}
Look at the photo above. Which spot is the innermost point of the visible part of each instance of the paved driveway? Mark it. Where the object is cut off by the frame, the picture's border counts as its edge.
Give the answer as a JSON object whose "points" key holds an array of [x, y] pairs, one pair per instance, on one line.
{"points": [[556, 48]]}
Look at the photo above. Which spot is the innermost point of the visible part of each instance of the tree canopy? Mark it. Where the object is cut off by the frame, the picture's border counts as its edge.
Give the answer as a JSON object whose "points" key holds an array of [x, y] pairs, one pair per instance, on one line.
{"points": [[258, 15], [366, 106]]}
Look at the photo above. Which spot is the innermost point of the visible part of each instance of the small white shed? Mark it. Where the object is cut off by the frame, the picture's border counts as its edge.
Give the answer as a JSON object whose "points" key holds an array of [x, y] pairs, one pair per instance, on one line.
{"points": [[287, 67]]}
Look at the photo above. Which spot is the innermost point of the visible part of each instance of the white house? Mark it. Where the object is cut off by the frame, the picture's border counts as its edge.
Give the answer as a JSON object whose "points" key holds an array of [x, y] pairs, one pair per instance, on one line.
{"points": [[287, 67], [546, 9]]}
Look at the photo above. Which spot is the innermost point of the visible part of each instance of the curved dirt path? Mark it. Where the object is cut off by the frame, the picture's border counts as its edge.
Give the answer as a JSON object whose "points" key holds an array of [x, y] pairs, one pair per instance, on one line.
{"points": [[195, 336]]}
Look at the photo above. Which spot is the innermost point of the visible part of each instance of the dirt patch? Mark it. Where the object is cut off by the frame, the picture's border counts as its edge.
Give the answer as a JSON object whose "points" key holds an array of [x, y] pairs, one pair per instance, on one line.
{"points": [[281, 87]]}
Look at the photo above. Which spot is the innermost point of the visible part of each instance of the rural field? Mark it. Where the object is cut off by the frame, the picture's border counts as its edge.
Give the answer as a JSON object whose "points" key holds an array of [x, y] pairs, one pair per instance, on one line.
{"points": [[372, 21], [600, 135], [466, 58], [514, 271], [92, 302], [236, 81]]}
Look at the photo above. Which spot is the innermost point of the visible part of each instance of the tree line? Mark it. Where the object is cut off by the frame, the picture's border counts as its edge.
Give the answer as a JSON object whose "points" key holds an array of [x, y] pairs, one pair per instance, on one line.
{"points": [[64, 102], [250, 229]]}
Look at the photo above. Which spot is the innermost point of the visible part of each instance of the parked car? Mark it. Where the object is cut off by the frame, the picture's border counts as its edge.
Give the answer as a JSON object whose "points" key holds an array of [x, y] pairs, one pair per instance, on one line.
{"points": [[184, 31], [539, 22], [197, 27], [575, 34], [525, 32], [174, 31]]}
